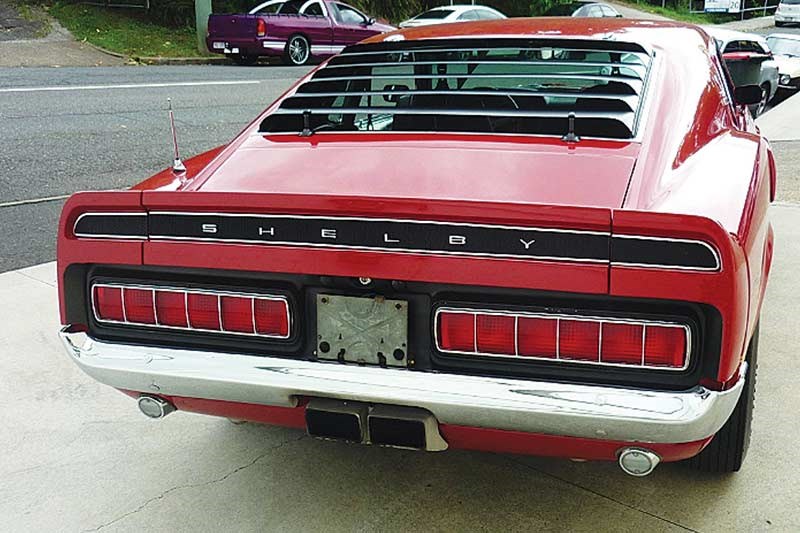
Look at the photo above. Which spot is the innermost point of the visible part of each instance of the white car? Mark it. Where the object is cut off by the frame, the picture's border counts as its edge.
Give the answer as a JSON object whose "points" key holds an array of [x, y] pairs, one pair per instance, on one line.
{"points": [[786, 49], [447, 14], [749, 60], [787, 11]]}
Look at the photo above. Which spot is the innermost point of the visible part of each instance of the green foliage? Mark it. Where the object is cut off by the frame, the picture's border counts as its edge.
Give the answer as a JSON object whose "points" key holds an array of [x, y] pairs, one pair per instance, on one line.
{"points": [[126, 31]]}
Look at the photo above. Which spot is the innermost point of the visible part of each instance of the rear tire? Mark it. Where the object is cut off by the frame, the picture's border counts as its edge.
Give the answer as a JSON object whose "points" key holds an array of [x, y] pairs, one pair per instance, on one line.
{"points": [[244, 60], [728, 449], [762, 105], [297, 52]]}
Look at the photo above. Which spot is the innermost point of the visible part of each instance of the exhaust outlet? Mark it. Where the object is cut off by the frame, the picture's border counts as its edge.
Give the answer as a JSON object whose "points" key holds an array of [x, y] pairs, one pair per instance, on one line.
{"points": [[638, 462], [404, 427], [154, 407], [384, 425], [336, 420]]}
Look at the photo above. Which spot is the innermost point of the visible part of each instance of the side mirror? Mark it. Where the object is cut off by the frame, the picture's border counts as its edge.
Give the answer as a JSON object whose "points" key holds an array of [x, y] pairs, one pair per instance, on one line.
{"points": [[747, 94], [370, 21]]}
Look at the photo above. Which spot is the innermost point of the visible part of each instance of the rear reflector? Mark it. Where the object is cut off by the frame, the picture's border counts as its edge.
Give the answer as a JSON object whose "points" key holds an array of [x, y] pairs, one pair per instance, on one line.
{"points": [[203, 311], [495, 334], [457, 332], [608, 341], [171, 309], [664, 346], [139, 306], [193, 309], [108, 304]]}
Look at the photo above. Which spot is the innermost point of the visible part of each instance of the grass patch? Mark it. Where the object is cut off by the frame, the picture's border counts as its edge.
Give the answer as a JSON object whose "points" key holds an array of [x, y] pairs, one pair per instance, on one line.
{"points": [[36, 14], [125, 31], [680, 14]]}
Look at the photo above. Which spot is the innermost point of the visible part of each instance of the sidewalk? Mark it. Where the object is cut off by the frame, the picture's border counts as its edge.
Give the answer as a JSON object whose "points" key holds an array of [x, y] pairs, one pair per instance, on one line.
{"points": [[781, 125], [57, 49]]}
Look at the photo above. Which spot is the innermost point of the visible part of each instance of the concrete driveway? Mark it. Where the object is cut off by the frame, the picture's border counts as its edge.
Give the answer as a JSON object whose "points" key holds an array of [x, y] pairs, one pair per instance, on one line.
{"points": [[78, 456]]}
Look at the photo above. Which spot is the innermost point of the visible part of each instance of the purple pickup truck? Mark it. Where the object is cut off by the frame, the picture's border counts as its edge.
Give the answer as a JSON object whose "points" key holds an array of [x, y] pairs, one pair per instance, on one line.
{"points": [[295, 30]]}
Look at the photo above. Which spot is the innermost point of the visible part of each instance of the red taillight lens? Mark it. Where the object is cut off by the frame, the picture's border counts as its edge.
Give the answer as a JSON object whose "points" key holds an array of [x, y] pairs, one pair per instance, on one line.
{"points": [[206, 310], [237, 314], [261, 27], [171, 308], [271, 317], [665, 346], [203, 310], [456, 332], [139, 308], [579, 339], [599, 340], [108, 303], [622, 343], [536, 337], [495, 334]]}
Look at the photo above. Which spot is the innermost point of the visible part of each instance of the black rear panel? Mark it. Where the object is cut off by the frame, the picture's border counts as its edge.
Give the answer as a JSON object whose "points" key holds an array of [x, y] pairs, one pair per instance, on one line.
{"points": [[423, 300]]}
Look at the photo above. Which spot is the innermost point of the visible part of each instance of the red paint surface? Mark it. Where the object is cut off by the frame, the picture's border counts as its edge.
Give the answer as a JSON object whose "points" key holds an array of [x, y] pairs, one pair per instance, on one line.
{"points": [[701, 172], [457, 437]]}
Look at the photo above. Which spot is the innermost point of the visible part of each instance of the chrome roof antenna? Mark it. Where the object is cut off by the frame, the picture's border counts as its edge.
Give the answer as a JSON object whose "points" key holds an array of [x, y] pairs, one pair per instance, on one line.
{"points": [[177, 164]]}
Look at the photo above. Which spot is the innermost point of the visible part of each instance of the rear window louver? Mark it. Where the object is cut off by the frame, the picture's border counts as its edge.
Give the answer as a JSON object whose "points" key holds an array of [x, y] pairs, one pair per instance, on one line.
{"points": [[517, 86]]}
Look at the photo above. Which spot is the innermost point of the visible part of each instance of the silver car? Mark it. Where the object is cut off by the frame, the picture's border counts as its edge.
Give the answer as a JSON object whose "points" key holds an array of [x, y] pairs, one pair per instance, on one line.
{"points": [[749, 61]]}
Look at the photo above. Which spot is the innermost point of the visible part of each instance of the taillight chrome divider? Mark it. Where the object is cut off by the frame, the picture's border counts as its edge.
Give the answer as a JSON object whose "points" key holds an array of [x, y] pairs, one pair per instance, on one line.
{"points": [[600, 320], [186, 291]]}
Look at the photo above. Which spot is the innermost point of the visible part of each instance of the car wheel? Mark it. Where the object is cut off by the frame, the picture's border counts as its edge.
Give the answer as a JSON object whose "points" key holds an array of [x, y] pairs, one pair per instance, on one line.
{"points": [[762, 105], [244, 59], [298, 51], [728, 448]]}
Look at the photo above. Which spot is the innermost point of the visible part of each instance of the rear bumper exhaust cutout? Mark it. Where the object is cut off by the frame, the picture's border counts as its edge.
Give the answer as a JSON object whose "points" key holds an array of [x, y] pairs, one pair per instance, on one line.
{"points": [[383, 425]]}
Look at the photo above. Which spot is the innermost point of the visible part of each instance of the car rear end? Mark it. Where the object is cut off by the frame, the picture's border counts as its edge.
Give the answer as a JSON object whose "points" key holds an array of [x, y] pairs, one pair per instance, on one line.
{"points": [[446, 320], [787, 12], [239, 35]]}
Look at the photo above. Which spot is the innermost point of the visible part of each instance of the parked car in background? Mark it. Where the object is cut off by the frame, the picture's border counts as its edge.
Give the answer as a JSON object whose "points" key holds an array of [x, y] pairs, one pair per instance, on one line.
{"points": [[582, 8], [788, 11], [296, 30], [749, 61], [533, 236], [786, 49], [455, 13]]}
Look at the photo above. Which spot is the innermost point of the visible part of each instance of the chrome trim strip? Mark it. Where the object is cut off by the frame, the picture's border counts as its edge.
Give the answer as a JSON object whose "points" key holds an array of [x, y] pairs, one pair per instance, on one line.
{"points": [[558, 316], [568, 409], [186, 291], [109, 236]]}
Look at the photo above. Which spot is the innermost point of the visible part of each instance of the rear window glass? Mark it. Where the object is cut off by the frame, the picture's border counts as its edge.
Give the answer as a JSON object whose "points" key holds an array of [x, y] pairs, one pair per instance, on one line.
{"points": [[503, 89], [434, 14], [790, 2]]}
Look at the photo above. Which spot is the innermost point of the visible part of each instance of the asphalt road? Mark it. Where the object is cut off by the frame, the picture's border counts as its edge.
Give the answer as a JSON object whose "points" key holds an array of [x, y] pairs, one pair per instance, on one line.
{"points": [[73, 129]]}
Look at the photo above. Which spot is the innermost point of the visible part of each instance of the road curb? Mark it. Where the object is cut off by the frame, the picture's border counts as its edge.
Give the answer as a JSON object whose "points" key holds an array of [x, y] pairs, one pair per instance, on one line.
{"points": [[212, 60], [180, 60]]}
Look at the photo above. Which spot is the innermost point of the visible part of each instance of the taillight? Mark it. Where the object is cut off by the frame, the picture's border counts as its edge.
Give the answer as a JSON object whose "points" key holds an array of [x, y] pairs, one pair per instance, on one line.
{"points": [[261, 27], [606, 341], [193, 310], [108, 304]]}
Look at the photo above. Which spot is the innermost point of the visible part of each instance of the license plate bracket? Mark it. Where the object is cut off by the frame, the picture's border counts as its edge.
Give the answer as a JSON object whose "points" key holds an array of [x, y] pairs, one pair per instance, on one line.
{"points": [[364, 330]]}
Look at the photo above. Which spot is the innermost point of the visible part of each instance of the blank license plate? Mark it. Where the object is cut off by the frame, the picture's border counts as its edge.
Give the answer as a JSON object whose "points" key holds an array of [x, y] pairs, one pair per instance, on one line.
{"points": [[218, 46], [370, 331]]}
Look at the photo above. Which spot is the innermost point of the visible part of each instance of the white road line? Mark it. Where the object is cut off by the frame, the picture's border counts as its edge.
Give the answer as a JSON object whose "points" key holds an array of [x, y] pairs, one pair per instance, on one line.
{"points": [[125, 86]]}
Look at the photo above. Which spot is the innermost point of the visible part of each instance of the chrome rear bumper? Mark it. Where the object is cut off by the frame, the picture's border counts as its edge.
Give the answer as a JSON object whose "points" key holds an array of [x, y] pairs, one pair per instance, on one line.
{"points": [[574, 410]]}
